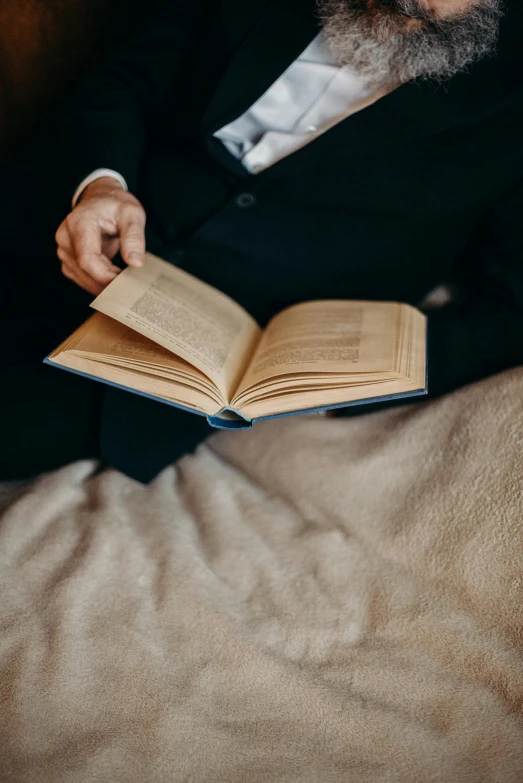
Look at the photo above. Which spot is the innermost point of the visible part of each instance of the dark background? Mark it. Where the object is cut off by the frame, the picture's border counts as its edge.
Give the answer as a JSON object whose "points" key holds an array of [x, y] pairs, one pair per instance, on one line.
{"points": [[45, 48]]}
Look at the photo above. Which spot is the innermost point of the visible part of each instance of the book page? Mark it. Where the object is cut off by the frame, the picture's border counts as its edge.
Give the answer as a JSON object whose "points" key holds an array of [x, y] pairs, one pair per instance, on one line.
{"points": [[292, 392], [102, 338], [186, 316], [316, 399], [326, 337], [102, 348]]}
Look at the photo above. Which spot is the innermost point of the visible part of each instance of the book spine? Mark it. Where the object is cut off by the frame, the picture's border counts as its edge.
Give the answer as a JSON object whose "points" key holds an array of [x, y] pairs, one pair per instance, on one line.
{"points": [[229, 419]]}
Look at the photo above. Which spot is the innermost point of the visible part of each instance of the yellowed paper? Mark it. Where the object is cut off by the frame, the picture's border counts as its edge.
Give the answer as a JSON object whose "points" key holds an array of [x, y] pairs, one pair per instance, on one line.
{"points": [[301, 401], [326, 337], [137, 381], [186, 316], [93, 349], [311, 355], [103, 339]]}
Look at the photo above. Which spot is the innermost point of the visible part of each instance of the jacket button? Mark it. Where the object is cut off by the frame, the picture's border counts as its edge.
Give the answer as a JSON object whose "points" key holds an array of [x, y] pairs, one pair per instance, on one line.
{"points": [[245, 200]]}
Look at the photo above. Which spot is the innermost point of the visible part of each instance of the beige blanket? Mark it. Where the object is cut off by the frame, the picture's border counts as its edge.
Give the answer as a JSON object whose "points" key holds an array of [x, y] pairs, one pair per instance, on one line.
{"points": [[318, 600]]}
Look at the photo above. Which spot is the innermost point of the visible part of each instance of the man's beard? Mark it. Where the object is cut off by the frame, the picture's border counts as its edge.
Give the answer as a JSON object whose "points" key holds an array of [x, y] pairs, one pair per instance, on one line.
{"points": [[380, 40]]}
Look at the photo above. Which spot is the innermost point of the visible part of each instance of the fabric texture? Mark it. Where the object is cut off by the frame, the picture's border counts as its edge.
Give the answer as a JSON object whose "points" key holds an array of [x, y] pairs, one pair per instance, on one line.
{"points": [[316, 600]]}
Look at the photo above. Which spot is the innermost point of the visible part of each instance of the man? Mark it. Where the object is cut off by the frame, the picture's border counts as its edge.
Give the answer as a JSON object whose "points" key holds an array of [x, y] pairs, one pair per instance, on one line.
{"points": [[284, 150]]}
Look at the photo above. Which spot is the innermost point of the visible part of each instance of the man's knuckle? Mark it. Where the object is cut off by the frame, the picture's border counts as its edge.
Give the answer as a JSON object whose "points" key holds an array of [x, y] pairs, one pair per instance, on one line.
{"points": [[132, 235], [133, 212], [83, 232], [83, 219], [72, 218]]}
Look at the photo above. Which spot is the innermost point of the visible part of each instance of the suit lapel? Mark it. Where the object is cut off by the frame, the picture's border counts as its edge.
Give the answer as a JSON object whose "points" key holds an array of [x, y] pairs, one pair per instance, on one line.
{"points": [[283, 31]]}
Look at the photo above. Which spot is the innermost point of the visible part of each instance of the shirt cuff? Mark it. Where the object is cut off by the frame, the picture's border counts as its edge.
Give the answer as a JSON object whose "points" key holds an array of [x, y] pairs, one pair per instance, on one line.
{"points": [[94, 176]]}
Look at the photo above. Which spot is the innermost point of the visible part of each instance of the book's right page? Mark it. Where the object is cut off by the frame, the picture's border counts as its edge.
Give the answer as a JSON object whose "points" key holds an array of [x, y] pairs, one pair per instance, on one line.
{"points": [[323, 353]]}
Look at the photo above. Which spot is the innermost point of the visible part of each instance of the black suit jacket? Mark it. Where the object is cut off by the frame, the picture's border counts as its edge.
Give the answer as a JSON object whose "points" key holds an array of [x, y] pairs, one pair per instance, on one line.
{"points": [[422, 188]]}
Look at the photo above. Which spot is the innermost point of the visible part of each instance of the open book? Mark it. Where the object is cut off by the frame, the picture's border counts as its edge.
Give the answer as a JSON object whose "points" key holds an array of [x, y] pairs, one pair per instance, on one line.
{"points": [[160, 332]]}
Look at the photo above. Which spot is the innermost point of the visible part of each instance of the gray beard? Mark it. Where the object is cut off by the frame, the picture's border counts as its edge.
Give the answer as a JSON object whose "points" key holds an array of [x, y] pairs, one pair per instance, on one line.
{"points": [[377, 43]]}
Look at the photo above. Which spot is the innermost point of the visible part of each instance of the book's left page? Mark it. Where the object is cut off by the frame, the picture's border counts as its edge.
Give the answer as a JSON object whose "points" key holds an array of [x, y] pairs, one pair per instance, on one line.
{"points": [[108, 351], [186, 316]]}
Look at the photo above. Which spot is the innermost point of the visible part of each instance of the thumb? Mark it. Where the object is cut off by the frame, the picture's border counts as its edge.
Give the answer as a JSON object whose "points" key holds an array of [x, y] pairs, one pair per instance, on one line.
{"points": [[132, 237]]}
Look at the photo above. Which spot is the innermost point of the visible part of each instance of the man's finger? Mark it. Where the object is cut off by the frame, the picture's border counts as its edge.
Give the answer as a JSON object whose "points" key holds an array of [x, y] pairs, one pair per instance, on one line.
{"points": [[86, 238], [132, 236], [65, 253], [65, 256], [81, 279], [62, 236], [71, 270], [110, 246]]}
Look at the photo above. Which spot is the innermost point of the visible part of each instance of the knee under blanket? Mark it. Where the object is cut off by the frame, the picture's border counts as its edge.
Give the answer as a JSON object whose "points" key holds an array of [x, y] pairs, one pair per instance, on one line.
{"points": [[318, 600]]}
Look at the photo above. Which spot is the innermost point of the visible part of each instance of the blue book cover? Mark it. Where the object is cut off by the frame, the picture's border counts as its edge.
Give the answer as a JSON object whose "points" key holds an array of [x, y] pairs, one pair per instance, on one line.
{"points": [[236, 420]]}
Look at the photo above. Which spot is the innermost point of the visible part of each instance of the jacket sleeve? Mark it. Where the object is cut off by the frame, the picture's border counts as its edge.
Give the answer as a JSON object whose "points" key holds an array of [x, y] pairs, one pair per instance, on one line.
{"points": [[480, 333], [106, 126]]}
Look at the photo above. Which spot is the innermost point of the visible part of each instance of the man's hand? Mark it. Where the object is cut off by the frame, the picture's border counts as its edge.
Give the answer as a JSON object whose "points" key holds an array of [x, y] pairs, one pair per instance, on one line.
{"points": [[105, 220]]}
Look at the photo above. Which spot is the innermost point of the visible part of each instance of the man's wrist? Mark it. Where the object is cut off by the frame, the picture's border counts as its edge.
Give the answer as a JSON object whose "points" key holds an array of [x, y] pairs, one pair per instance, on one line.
{"points": [[101, 185], [95, 176]]}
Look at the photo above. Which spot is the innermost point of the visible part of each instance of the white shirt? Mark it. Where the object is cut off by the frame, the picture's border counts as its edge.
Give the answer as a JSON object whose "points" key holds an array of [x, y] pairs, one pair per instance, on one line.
{"points": [[311, 96]]}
